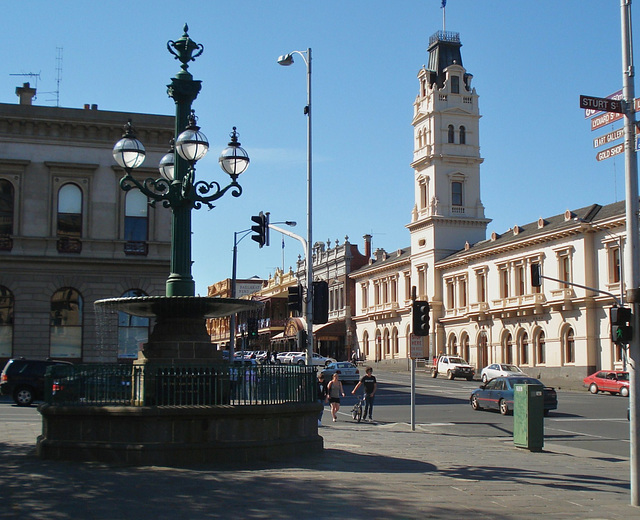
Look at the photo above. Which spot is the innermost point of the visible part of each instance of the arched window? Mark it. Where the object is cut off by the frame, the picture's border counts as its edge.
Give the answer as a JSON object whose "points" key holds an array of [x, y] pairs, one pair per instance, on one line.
{"points": [[133, 331], [450, 134], [453, 345], [394, 342], [464, 345], [524, 349], [6, 215], [136, 223], [387, 343], [540, 349], [455, 84], [483, 350], [69, 222], [6, 322], [463, 135], [66, 324], [569, 346], [423, 195], [456, 193], [508, 348], [365, 344]]}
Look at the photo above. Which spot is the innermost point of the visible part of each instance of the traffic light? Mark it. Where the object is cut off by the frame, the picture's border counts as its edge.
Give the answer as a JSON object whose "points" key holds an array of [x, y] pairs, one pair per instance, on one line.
{"points": [[294, 301], [252, 327], [621, 330], [262, 229], [320, 302], [536, 280], [420, 311]]}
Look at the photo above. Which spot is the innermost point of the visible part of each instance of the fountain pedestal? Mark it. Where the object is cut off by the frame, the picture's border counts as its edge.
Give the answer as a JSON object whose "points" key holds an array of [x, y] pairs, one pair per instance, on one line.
{"points": [[144, 434]]}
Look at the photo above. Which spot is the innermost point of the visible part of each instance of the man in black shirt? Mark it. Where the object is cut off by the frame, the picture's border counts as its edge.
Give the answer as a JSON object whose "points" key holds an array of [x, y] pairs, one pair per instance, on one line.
{"points": [[370, 386]]}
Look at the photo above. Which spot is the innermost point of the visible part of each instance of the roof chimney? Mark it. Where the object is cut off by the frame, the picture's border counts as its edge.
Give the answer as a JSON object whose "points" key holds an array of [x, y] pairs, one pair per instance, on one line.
{"points": [[26, 94], [367, 246]]}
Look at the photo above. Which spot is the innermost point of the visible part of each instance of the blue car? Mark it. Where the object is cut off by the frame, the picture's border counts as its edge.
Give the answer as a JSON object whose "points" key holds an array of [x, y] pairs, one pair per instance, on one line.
{"points": [[498, 394]]}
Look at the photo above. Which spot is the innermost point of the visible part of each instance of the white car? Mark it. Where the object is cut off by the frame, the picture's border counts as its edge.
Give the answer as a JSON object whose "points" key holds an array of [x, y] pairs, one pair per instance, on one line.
{"points": [[287, 358], [317, 360], [348, 372], [500, 369]]}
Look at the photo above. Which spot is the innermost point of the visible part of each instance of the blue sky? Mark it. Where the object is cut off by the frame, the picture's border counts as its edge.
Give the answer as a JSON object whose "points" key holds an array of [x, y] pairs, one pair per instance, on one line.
{"points": [[530, 60]]}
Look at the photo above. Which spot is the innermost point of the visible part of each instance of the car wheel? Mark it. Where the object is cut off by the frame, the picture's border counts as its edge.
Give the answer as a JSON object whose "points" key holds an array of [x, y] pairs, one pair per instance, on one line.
{"points": [[23, 396], [624, 391], [434, 373], [474, 403], [484, 378], [470, 378], [504, 409], [301, 363], [450, 375], [593, 388]]}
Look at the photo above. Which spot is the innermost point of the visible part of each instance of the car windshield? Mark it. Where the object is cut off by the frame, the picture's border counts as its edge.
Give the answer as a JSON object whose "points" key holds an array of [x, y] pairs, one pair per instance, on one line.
{"points": [[458, 360], [510, 368]]}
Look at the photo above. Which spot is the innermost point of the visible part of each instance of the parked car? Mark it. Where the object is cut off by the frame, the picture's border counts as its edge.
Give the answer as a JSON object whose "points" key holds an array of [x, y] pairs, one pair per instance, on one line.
{"points": [[349, 373], [261, 355], [288, 356], [452, 367], [23, 379], [317, 360], [612, 381], [498, 394], [280, 356], [500, 369]]}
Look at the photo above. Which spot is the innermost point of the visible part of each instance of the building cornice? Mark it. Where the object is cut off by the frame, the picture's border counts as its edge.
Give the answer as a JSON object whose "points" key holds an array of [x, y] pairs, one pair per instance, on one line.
{"points": [[73, 127]]}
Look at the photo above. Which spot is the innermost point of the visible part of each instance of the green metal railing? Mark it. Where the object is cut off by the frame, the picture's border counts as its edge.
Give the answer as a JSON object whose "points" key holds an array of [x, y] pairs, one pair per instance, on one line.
{"points": [[179, 385]]}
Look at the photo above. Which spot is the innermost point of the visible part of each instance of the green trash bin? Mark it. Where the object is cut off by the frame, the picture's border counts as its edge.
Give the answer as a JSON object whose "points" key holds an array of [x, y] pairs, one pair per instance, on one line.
{"points": [[528, 416]]}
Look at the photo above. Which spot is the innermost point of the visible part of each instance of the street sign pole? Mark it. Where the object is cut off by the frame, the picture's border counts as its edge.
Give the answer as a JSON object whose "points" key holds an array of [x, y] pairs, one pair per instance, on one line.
{"points": [[632, 259]]}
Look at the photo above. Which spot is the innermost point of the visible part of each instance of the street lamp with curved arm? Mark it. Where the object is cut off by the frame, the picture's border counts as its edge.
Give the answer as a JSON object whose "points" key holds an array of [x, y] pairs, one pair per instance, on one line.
{"points": [[286, 60]]}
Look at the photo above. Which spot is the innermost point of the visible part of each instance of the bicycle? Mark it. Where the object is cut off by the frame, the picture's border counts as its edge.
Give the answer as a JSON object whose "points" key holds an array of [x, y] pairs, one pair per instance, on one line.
{"points": [[356, 411]]}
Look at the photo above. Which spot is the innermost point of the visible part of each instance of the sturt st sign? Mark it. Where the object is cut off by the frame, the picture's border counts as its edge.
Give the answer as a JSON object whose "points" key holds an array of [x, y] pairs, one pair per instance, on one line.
{"points": [[602, 104]]}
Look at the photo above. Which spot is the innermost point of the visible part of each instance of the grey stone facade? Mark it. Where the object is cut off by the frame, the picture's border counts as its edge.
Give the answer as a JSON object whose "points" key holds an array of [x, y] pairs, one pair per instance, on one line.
{"points": [[41, 150]]}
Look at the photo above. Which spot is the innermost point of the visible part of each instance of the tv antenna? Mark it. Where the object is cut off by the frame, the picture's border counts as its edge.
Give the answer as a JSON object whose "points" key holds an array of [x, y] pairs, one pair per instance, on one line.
{"points": [[58, 74], [58, 77], [31, 75]]}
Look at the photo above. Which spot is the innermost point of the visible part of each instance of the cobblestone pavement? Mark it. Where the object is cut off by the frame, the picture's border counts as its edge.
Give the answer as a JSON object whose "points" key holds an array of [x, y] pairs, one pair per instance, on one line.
{"points": [[366, 471]]}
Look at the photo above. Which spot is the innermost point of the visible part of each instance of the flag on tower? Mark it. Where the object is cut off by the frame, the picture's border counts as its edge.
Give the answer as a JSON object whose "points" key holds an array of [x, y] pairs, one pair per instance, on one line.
{"points": [[444, 4]]}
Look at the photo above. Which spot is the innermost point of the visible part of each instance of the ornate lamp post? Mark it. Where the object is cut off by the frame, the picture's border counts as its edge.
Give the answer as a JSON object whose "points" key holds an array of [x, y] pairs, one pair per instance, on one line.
{"points": [[177, 187]]}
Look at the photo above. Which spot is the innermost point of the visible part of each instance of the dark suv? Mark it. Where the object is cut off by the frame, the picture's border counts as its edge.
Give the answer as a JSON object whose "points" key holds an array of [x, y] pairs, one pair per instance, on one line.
{"points": [[23, 379]]}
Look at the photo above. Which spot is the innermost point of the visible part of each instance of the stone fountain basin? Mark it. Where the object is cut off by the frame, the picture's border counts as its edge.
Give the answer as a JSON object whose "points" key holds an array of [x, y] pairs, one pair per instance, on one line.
{"points": [[177, 306]]}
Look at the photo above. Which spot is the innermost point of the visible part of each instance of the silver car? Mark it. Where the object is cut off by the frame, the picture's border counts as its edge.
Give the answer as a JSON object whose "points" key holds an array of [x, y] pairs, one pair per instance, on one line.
{"points": [[316, 360], [500, 369], [348, 372]]}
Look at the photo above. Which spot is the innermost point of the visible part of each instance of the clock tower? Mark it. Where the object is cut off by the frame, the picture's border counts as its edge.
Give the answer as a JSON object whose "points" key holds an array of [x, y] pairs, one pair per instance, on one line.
{"points": [[448, 212]]}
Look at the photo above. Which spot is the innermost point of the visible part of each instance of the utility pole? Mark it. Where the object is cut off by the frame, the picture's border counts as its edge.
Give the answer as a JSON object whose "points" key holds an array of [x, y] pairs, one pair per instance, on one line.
{"points": [[632, 259]]}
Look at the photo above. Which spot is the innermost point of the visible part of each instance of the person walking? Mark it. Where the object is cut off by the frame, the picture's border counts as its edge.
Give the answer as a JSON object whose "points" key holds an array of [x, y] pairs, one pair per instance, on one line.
{"points": [[335, 391], [323, 395], [370, 387]]}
